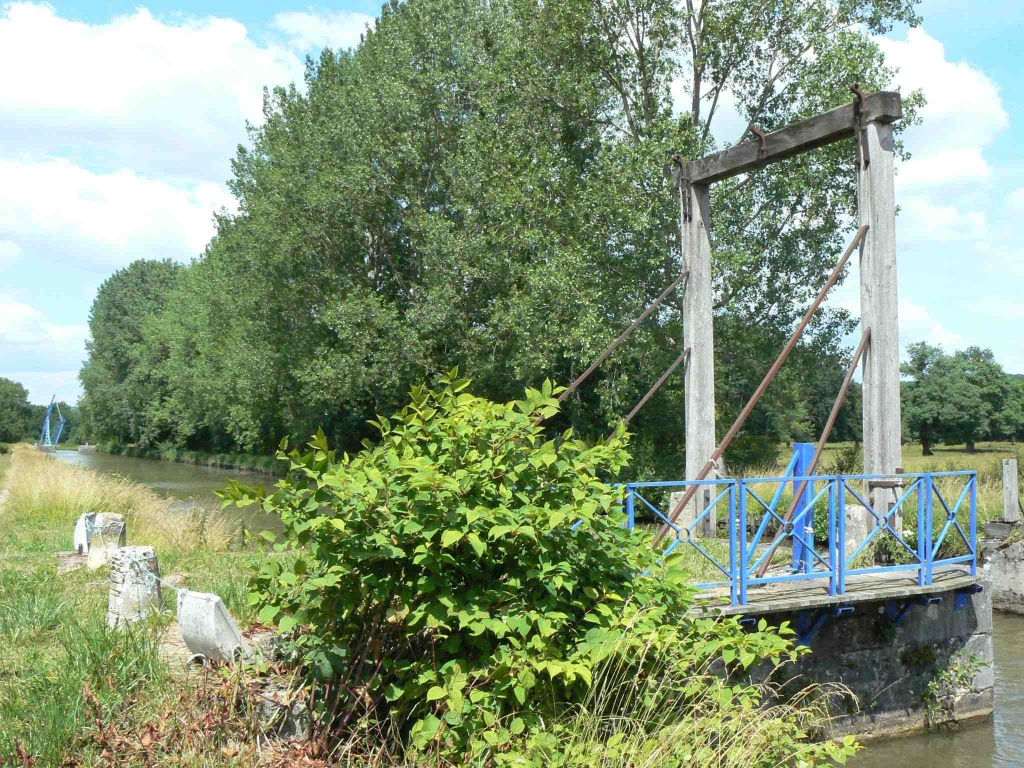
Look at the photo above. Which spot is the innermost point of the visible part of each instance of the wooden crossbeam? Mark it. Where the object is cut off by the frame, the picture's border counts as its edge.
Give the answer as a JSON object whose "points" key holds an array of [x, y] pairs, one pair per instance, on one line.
{"points": [[814, 132]]}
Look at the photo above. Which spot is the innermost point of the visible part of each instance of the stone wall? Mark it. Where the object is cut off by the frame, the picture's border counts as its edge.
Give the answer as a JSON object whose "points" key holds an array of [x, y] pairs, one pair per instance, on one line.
{"points": [[1003, 552], [887, 657]]}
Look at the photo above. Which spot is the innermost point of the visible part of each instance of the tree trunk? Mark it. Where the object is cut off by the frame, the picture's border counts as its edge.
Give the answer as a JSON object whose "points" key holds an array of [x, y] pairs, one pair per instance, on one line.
{"points": [[926, 447], [970, 446]]}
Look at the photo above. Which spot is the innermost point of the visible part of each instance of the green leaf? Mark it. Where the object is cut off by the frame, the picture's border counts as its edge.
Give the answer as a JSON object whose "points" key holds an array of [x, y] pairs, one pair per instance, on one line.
{"points": [[450, 537], [435, 693], [268, 612], [478, 546]]}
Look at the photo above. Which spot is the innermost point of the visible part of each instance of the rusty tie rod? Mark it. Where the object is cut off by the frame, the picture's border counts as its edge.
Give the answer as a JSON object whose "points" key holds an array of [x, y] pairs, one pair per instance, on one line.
{"points": [[625, 335], [820, 449], [769, 377]]}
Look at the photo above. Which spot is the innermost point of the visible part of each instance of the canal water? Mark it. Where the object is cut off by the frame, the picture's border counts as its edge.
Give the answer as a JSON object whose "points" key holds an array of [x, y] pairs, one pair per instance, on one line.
{"points": [[184, 482], [995, 743]]}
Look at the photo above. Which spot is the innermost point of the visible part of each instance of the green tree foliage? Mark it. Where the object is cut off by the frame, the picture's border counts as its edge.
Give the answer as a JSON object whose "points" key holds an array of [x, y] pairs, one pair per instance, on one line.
{"points": [[15, 411], [960, 398], [485, 184], [465, 579], [117, 378]]}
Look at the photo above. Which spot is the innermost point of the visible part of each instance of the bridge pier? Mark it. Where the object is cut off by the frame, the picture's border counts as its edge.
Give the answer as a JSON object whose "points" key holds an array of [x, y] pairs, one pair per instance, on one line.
{"points": [[912, 659]]}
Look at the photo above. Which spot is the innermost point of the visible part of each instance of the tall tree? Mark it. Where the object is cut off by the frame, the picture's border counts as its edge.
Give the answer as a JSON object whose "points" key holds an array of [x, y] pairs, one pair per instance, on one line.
{"points": [[115, 384], [484, 184], [960, 398], [14, 411]]}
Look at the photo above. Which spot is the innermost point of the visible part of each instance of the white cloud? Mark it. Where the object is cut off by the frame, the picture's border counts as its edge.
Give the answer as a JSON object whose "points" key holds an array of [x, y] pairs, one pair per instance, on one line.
{"points": [[946, 167], [308, 31], [923, 221], [42, 385], [29, 341], [61, 212], [1016, 199], [918, 324], [160, 98], [10, 252], [964, 109]]}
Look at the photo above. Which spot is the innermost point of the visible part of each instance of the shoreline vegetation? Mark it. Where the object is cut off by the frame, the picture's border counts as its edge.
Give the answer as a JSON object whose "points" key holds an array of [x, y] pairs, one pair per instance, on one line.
{"points": [[74, 692], [265, 465]]}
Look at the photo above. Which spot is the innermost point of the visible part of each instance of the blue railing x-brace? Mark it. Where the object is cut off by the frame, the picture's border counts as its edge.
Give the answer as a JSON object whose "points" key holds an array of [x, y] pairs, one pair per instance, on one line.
{"points": [[941, 531]]}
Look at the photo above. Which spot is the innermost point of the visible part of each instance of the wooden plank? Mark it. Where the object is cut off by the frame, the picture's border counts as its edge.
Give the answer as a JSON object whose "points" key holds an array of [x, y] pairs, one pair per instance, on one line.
{"points": [[1011, 499], [882, 107], [878, 306], [699, 338]]}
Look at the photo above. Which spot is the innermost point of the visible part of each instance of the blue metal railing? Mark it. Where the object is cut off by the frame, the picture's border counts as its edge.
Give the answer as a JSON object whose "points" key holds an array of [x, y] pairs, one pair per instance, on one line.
{"points": [[756, 527]]}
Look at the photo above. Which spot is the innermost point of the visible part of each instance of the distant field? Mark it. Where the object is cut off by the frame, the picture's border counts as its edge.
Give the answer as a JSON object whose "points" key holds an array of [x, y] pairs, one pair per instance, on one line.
{"points": [[986, 459]]}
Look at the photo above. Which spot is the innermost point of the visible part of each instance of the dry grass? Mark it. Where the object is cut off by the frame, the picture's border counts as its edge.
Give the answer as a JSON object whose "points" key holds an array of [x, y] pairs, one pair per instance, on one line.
{"points": [[986, 460], [44, 492]]}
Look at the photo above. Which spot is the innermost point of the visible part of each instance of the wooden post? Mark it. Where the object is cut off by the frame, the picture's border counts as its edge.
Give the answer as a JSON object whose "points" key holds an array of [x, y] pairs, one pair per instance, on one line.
{"points": [[878, 299], [1011, 500], [698, 337]]}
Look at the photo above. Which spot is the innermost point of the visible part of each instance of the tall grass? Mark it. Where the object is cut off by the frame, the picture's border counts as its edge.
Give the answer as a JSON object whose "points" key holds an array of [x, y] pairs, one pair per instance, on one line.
{"points": [[45, 493], [53, 643]]}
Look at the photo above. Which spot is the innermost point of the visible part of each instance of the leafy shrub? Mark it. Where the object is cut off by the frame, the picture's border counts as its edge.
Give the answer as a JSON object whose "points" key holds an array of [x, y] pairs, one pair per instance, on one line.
{"points": [[462, 582]]}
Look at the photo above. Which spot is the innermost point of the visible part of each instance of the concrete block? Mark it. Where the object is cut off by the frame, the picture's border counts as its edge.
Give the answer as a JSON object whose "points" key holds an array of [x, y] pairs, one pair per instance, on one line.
{"points": [[83, 532], [208, 628], [859, 525], [690, 512], [109, 533], [134, 585], [1006, 566]]}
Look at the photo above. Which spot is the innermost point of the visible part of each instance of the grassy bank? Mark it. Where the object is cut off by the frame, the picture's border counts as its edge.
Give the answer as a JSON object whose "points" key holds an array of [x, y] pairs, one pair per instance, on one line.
{"points": [[267, 465], [986, 460], [60, 667], [75, 693]]}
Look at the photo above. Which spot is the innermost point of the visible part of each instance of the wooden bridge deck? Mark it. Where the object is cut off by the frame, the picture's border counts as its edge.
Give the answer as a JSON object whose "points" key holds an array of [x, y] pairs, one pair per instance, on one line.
{"points": [[807, 594]]}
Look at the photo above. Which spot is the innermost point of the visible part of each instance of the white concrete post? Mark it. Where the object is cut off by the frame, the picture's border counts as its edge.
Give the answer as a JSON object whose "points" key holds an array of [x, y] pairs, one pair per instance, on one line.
{"points": [[208, 628], [1011, 499], [134, 585], [104, 536], [879, 302], [698, 335]]}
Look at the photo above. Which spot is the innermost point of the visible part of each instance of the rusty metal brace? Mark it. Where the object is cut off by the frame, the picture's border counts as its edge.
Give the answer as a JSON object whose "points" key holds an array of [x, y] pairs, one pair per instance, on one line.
{"points": [[761, 135], [684, 189], [863, 153]]}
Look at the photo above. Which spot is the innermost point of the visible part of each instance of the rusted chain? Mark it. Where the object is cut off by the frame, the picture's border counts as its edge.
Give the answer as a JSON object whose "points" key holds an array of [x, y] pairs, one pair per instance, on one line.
{"points": [[769, 377], [825, 434], [863, 152]]}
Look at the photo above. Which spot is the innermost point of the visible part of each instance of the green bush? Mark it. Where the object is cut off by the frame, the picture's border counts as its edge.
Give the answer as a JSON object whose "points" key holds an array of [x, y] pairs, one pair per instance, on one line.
{"points": [[464, 581]]}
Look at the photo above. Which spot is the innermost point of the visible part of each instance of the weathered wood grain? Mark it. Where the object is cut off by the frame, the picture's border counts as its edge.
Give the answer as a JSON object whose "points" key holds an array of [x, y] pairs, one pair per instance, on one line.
{"points": [[878, 307], [837, 124], [698, 337], [1011, 499]]}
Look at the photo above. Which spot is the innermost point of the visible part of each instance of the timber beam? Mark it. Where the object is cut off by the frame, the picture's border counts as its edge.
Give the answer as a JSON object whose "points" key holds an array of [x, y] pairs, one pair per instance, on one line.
{"points": [[814, 132]]}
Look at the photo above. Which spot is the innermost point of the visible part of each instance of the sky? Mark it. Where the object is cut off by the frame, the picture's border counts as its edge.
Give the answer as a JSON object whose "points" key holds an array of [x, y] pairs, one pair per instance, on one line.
{"points": [[120, 120]]}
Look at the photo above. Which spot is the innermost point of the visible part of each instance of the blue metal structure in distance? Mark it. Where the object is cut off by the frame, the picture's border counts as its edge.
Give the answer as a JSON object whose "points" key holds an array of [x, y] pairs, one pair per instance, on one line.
{"points": [[45, 440]]}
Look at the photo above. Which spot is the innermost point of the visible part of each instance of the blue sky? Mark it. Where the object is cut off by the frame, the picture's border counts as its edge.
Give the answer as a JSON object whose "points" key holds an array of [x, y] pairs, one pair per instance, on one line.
{"points": [[117, 129]]}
